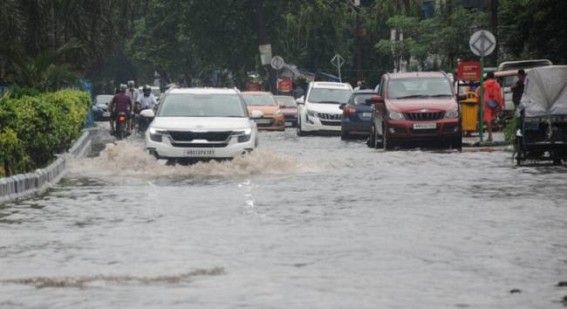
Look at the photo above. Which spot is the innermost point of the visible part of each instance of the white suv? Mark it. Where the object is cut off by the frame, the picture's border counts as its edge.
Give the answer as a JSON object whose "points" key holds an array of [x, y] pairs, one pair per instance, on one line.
{"points": [[319, 110], [193, 124]]}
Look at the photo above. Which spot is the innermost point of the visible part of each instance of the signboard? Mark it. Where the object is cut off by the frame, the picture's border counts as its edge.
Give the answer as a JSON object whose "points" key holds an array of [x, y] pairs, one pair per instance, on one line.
{"points": [[338, 61], [482, 43], [285, 85], [277, 62], [469, 71], [265, 53]]}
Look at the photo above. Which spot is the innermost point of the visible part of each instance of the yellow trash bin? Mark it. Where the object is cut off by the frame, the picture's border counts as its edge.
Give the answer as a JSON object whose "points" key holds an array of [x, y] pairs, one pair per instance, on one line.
{"points": [[469, 112]]}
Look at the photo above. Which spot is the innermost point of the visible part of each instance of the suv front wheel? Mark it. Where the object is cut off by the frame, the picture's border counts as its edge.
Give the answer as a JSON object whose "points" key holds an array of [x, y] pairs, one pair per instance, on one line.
{"points": [[299, 131], [387, 142]]}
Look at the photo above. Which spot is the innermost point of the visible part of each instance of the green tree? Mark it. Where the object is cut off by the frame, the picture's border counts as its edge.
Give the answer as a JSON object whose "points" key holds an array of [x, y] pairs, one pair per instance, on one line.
{"points": [[533, 29]]}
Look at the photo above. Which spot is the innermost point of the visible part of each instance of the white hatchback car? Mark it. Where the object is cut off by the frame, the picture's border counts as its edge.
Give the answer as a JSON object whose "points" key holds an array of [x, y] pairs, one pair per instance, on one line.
{"points": [[194, 124], [318, 110]]}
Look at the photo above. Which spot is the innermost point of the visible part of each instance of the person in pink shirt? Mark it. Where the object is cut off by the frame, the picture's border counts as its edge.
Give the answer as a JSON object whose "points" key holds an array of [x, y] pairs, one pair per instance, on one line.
{"points": [[120, 103]]}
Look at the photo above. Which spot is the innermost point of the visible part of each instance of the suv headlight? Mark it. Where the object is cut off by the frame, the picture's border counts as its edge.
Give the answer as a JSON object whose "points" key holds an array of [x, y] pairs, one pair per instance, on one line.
{"points": [[246, 131], [452, 114], [156, 135], [243, 135], [311, 113], [396, 116], [157, 131]]}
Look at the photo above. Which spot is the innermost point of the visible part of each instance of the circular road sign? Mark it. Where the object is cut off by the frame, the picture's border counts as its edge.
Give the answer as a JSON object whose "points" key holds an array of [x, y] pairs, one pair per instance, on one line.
{"points": [[277, 62], [482, 43]]}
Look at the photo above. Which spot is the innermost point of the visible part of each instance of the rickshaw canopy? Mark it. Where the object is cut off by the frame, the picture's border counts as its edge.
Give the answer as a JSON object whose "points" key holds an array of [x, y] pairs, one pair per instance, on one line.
{"points": [[545, 91]]}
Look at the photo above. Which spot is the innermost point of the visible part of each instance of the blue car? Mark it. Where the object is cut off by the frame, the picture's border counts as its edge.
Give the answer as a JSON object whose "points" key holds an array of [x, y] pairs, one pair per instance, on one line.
{"points": [[357, 115], [100, 107]]}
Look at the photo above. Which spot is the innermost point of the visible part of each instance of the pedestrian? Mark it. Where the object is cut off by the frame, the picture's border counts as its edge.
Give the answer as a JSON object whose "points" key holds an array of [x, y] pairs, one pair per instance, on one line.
{"points": [[358, 85], [493, 102], [298, 91], [518, 88], [133, 94]]}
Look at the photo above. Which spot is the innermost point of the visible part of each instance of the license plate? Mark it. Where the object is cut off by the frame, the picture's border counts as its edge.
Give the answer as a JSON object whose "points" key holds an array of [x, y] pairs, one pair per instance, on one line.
{"points": [[200, 152], [263, 121], [366, 115], [106, 114], [424, 126]]}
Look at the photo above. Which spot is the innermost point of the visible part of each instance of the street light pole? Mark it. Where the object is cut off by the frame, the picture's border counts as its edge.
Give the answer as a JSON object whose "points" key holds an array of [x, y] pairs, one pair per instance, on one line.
{"points": [[357, 35]]}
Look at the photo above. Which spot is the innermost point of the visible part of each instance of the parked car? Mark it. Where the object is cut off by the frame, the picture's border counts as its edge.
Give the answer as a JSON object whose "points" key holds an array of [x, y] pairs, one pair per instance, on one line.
{"points": [[318, 111], [413, 108], [195, 124], [100, 107], [272, 117], [357, 114], [507, 75], [288, 106]]}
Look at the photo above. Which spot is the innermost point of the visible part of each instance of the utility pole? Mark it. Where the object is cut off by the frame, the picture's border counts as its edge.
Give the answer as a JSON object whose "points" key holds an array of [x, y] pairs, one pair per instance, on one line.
{"points": [[358, 34], [494, 24]]}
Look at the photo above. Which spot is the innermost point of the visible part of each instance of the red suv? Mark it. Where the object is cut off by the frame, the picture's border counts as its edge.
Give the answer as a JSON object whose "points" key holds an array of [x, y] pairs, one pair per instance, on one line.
{"points": [[415, 108]]}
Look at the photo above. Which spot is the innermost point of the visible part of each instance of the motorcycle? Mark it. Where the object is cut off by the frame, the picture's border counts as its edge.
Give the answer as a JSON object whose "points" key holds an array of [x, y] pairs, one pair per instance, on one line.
{"points": [[121, 126]]}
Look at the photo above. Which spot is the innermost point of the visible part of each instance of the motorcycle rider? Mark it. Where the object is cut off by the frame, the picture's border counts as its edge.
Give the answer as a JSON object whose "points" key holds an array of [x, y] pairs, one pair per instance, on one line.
{"points": [[146, 101], [120, 103], [134, 94]]}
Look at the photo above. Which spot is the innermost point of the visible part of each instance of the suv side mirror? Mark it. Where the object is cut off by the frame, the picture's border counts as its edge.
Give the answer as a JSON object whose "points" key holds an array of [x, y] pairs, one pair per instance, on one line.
{"points": [[148, 113], [376, 99]]}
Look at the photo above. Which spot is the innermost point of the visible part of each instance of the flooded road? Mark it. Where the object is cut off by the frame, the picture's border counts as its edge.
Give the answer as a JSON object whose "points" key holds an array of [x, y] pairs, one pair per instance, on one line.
{"points": [[309, 222]]}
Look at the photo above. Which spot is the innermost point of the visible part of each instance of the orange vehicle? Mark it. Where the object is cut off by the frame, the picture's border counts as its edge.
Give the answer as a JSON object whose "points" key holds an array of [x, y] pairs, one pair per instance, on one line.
{"points": [[272, 118]]}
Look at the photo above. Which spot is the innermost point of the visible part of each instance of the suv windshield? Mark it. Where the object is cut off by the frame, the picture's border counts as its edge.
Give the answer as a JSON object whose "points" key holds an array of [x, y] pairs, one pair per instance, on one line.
{"points": [[202, 105], [329, 96], [419, 87]]}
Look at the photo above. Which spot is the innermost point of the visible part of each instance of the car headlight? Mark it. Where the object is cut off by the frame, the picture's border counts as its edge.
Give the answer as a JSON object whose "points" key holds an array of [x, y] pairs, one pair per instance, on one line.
{"points": [[246, 131], [157, 131], [396, 116], [452, 114], [243, 136], [311, 113], [156, 135]]}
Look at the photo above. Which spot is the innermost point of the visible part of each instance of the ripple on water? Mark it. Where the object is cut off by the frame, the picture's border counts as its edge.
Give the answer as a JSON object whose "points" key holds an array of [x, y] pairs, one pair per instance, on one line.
{"points": [[85, 281]]}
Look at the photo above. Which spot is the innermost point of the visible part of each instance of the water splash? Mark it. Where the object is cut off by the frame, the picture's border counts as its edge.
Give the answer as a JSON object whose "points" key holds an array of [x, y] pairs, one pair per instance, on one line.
{"points": [[129, 159]]}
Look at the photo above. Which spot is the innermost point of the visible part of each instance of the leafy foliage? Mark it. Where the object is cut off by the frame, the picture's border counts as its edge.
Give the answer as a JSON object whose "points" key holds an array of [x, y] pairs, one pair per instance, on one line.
{"points": [[533, 29], [34, 128]]}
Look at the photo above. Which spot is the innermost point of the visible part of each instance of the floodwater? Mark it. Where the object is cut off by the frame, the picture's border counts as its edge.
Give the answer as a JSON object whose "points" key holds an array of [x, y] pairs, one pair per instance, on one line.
{"points": [[311, 222]]}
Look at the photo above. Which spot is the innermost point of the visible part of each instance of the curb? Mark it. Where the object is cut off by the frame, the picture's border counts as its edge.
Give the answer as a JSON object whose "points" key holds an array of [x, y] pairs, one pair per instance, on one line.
{"points": [[29, 184]]}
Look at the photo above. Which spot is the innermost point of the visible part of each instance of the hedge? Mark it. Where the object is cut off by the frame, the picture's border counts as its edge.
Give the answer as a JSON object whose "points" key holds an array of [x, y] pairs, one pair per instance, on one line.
{"points": [[33, 128]]}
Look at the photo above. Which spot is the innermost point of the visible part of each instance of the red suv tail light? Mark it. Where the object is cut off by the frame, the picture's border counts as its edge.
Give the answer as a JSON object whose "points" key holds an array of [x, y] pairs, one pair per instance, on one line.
{"points": [[349, 111]]}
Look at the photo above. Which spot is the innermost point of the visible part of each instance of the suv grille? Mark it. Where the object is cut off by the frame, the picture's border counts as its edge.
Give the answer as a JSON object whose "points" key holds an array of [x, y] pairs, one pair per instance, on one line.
{"points": [[424, 116], [329, 116], [187, 136]]}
